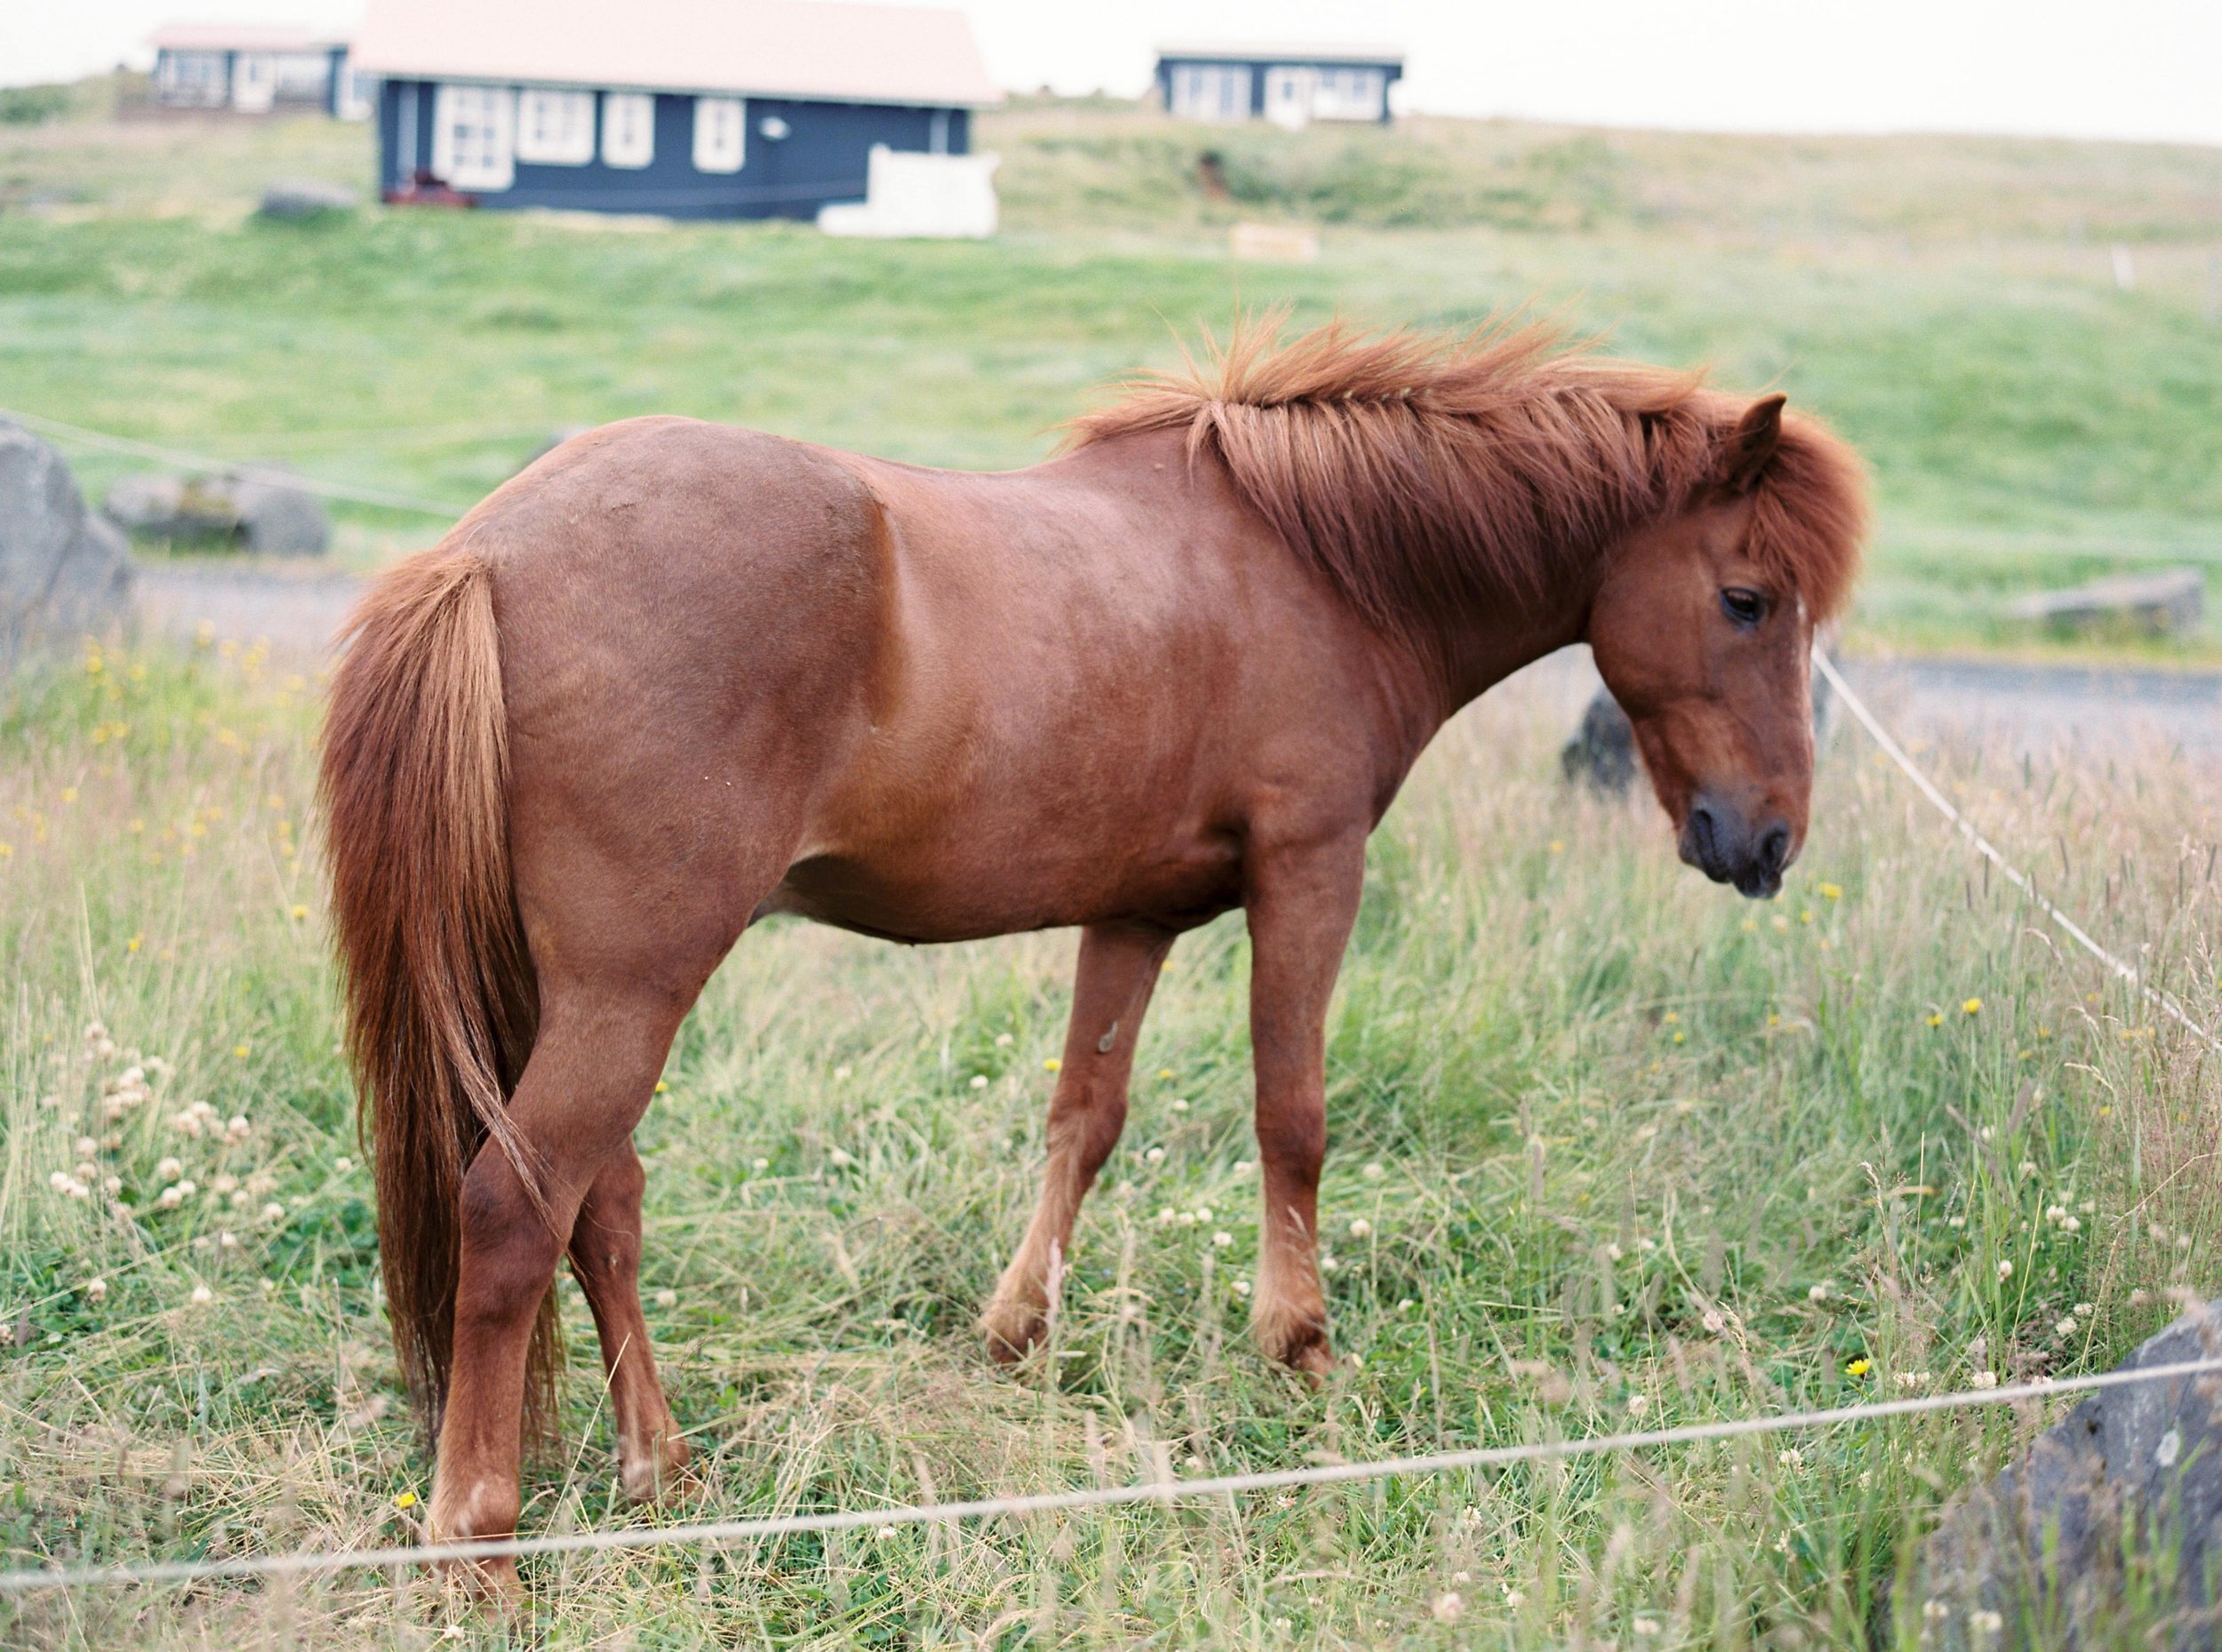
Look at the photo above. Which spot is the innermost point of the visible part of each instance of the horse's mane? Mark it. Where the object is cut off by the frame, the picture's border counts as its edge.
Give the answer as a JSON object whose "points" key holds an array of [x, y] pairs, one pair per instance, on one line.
{"points": [[1421, 474]]}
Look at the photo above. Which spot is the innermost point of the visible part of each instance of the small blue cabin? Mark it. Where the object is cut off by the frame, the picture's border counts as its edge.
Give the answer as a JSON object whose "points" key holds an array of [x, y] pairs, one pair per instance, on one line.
{"points": [[684, 108], [255, 70], [1290, 86]]}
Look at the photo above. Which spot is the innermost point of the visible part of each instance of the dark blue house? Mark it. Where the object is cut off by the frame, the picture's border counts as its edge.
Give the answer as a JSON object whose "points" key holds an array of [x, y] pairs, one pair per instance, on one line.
{"points": [[686, 108], [255, 70], [1290, 85]]}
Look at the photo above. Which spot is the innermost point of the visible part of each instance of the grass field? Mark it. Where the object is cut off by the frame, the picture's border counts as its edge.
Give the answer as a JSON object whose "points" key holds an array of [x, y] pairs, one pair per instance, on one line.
{"points": [[1609, 1147], [1952, 305]]}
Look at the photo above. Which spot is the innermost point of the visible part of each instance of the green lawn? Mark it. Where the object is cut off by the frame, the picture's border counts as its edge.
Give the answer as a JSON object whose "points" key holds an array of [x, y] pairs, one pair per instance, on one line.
{"points": [[1951, 304]]}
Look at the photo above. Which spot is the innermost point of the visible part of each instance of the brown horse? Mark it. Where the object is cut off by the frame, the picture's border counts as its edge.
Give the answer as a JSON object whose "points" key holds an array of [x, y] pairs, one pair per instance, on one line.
{"points": [[676, 676]]}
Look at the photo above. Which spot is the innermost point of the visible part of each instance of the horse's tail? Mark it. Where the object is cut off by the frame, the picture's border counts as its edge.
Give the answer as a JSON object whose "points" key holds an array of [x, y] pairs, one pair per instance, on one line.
{"points": [[442, 1004]]}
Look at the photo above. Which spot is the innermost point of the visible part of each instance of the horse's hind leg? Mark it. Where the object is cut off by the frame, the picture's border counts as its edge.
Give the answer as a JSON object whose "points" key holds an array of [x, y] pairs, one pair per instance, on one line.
{"points": [[605, 1256], [1118, 969]]}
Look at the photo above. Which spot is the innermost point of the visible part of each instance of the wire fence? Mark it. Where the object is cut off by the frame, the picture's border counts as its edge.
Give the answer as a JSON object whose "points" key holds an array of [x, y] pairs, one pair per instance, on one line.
{"points": [[1162, 1490]]}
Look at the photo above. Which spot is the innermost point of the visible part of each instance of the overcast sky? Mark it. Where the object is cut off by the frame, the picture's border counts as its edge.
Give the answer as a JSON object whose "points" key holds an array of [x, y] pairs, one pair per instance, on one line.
{"points": [[2111, 69]]}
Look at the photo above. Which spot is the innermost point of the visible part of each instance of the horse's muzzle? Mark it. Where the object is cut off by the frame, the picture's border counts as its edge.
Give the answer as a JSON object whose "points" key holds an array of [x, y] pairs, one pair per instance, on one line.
{"points": [[1728, 847]]}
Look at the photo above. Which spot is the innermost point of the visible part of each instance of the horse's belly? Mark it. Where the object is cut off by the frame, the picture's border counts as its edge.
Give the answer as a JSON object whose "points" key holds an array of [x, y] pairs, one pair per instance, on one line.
{"points": [[968, 893]]}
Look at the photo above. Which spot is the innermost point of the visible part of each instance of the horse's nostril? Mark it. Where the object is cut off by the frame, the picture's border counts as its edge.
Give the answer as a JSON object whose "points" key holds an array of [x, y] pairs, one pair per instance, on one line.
{"points": [[1774, 851], [1701, 829]]}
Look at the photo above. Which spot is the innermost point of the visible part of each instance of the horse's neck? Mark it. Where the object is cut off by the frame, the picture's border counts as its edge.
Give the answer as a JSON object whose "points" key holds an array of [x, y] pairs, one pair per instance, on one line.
{"points": [[1478, 650]]}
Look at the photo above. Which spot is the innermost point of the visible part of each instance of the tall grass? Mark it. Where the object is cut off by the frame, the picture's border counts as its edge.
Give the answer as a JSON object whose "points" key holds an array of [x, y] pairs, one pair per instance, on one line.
{"points": [[1608, 1147]]}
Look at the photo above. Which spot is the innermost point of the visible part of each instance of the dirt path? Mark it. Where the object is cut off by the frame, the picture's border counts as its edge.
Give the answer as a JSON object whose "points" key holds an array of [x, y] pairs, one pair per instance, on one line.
{"points": [[2033, 708]]}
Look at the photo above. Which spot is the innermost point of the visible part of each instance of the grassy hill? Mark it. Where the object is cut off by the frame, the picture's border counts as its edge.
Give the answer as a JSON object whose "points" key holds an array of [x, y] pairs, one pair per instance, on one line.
{"points": [[1955, 304]]}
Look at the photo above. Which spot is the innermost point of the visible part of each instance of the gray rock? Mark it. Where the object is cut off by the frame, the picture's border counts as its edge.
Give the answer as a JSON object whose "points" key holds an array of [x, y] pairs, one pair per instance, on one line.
{"points": [[278, 521], [307, 197], [1602, 751], [64, 573], [2107, 1531], [2170, 600], [255, 508]]}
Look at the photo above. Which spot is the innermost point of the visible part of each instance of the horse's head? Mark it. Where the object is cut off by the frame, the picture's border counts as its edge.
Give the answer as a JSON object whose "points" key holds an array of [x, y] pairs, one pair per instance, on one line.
{"points": [[1702, 629]]}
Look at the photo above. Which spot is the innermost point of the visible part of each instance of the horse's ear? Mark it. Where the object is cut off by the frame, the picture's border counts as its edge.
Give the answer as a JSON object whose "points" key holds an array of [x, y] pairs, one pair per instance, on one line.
{"points": [[1752, 445]]}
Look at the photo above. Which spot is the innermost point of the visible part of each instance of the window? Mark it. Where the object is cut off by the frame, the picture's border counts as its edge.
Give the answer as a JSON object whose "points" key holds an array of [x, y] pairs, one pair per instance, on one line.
{"points": [[721, 134], [473, 137], [555, 128], [1349, 94], [192, 77], [629, 128], [1210, 91]]}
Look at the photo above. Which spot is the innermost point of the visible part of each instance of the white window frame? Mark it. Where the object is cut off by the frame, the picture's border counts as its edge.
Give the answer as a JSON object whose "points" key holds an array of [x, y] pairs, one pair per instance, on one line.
{"points": [[473, 137], [1210, 91], [1350, 93], [721, 134], [555, 128], [628, 129]]}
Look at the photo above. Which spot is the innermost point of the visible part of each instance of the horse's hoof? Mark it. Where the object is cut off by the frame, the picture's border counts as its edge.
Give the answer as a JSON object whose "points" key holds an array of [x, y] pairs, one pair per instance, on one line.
{"points": [[493, 1583], [1300, 1342], [1012, 1329], [652, 1475]]}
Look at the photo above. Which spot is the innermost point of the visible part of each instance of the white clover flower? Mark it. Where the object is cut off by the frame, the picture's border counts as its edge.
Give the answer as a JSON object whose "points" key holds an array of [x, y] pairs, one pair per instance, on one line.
{"points": [[1360, 1228], [1984, 1379], [275, 1211], [1613, 1252], [1240, 1286], [227, 1240], [1985, 1622], [666, 1297], [238, 1129], [884, 1533], [86, 1147], [224, 1182], [760, 1164], [2065, 1329], [979, 1080], [1820, 1292], [113, 1185], [169, 1170], [1373, 1171], [1003, 1040], [202, 1297], [2005, 1268], [172, 1196], [1167, 1216], [1792, 1458], [1221, 1239], [1449, 1607], [1155, 1155], [839, 1159], [1638, 1404], [1712, 1321], [1243, 1167], [2071, 1224], [343, 1164], [96, 1288], [1203, 1213]]}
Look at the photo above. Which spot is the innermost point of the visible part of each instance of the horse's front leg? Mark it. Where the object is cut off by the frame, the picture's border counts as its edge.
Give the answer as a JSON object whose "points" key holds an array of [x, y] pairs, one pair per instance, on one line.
{"points": [[1302, 901], [1118, 969]]}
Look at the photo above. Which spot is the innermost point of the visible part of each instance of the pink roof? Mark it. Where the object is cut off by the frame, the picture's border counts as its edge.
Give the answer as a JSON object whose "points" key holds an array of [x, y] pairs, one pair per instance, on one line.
{"points": [[772, 48], [242, 37]]}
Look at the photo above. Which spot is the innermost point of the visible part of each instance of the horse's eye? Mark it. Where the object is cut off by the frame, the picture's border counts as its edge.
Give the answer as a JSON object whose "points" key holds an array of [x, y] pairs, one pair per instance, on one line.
{"points": [[1744, 607]]}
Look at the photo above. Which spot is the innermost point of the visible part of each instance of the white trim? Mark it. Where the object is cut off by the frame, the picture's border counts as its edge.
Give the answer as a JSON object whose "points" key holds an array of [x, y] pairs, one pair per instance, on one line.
{"points": [[628, 129], [485, 119], [721, 134], [555, 128]]}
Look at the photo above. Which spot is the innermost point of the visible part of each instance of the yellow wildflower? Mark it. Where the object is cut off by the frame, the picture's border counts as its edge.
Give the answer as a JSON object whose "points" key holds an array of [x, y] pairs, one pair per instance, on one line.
{"points": [[1830, 891], [1936, 1020], [407, 1500], [1053, 1065], [239, 1050], [1858, 1368], [1973, 1006]]}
